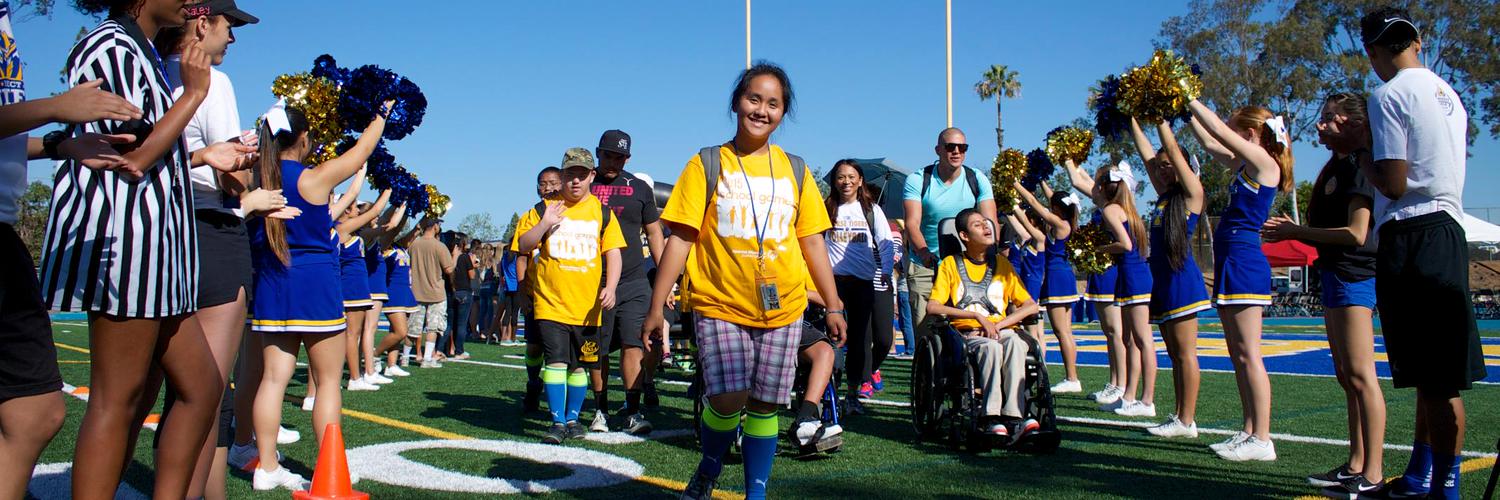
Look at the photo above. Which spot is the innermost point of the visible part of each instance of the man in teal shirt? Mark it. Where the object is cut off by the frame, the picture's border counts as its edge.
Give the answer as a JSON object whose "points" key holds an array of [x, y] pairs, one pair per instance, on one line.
{"points": [[938, 192]]}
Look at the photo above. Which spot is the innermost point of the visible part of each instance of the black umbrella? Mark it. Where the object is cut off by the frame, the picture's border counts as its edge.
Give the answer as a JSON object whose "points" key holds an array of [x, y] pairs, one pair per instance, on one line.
{"points": [[887, 179]]}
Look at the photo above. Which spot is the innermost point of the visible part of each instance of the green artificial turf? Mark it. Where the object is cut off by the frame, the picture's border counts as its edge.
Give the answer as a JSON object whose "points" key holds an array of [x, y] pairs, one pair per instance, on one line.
{"points": [[880, 459]]}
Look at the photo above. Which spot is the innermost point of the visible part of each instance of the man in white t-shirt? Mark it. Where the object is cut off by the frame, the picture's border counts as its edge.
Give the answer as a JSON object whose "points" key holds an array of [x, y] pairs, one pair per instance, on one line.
{"points": [[1419, 135]]}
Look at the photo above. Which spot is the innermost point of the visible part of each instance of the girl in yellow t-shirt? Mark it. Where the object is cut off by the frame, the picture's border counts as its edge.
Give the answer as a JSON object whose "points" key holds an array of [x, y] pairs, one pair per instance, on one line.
{"points": [[753, 242]]}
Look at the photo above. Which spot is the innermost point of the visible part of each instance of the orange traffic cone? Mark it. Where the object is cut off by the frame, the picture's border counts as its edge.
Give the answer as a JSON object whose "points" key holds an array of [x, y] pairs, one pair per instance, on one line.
{"points": [[331, 473]]}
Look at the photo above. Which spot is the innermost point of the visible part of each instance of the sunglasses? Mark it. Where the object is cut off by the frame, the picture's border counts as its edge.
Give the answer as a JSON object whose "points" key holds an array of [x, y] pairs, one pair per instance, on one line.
{"points": [[955, 146]]}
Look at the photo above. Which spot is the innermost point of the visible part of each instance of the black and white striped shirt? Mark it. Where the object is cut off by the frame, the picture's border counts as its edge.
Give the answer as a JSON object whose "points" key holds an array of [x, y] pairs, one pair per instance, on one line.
{"points": [[115, 245]]}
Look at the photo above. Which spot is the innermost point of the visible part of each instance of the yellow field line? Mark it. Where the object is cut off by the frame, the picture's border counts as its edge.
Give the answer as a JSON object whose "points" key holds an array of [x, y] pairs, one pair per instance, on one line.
{"points": [[71, 347]]}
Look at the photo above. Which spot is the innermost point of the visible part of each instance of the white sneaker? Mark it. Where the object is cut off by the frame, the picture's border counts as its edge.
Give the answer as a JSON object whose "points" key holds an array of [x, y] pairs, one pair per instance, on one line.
{"points": [[1233, 440], [1101, 396], [287, 436], [807, 430], [396, 371], [1173, 427], [1114, 405], [431, 363], [1137, 409], [377, 379], [1067, 386], [279, 478], [462, 355], [359, 384], [1250, 449], [307, 403], [600, 424]]}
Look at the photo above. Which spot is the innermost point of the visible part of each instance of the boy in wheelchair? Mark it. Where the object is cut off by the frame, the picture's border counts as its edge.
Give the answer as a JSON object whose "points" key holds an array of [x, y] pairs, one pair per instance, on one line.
{"points": [[973, 290], [817, 427]]}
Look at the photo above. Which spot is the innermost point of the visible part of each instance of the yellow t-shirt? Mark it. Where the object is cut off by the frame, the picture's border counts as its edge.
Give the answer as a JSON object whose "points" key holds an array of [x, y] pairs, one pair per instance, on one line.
{"points": [[722, 266], [566, 271], [1005, 289]]}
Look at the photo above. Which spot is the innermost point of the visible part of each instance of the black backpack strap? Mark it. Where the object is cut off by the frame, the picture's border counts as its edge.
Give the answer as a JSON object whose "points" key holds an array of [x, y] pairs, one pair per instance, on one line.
{"points": [[927, 178], [709, 157], [799, 170], [973, 183]]}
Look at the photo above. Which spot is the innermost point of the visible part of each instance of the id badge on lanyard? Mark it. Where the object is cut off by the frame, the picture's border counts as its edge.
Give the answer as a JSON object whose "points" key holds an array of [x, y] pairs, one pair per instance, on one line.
{"points": [[765, 280], [765, 284]]}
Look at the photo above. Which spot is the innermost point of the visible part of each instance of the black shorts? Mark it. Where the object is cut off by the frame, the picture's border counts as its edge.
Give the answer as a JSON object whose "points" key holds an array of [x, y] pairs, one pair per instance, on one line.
{"points": [[224, 255], [572, 345], [811, 334], [532, 333], [28, 361], [1426, 315], [621, 326]]}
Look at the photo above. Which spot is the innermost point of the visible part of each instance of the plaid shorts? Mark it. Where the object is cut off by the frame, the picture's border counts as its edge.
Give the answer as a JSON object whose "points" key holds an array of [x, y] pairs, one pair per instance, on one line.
{"points": [[736, 358], [431, 317]]}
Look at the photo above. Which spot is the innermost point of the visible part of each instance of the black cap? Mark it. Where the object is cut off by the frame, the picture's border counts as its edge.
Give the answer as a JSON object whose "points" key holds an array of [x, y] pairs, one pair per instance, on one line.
{"points": [[615, 140], [1387, 24], [225, 8]]}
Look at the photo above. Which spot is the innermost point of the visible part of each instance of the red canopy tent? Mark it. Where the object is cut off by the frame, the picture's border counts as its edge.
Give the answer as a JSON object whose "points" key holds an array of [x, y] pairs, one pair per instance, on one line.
{"points": [[1289, 253]]}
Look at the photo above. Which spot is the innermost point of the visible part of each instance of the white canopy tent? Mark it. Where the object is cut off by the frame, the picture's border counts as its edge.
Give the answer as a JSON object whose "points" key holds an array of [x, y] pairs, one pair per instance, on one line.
{"points": [[1480, 232]]}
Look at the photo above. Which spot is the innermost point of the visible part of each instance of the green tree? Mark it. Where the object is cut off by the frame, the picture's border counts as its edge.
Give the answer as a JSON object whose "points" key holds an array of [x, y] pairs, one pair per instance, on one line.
{"points": [[1283, 203], [31, 223], [510, 229], [997, 82], [479, 226]]}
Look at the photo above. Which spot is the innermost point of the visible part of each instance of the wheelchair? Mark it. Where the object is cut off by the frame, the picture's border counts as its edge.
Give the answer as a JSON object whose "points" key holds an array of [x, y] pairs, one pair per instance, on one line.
{"points": [[944, 393]]}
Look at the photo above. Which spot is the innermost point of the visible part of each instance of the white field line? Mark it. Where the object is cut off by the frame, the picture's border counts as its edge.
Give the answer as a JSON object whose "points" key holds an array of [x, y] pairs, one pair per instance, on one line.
{"points": [[1225, 432]]}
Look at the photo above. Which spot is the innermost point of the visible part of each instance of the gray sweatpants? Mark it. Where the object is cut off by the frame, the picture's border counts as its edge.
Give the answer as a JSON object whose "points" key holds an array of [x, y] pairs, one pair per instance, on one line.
{"points": [[1001, 369]]}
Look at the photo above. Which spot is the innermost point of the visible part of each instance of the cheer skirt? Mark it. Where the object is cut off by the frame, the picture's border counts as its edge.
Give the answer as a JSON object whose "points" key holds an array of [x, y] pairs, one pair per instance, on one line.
{"points": [[1101, 287]]}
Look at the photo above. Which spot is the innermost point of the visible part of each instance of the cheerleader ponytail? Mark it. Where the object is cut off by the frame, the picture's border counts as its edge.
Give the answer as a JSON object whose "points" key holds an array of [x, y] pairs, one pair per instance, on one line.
{"points": [[1274, 138], [278, 130]]}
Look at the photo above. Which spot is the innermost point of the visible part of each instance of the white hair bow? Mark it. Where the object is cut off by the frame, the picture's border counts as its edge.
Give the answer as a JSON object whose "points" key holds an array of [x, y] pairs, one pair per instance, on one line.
{"points": [[276, 118], [1278, 127], [1122, 173], [1070, 199]]}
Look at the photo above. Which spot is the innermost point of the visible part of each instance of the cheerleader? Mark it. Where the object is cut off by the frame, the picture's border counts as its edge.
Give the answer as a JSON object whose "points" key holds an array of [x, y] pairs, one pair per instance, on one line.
{"points": [[379, 235], [1059, 286], [1099, 290], [297, 281], [401, 303], [1177, 291], [755, 240], [1256, 146], [1027, 253], [358, 300], [121, 245], [1113, 190]]}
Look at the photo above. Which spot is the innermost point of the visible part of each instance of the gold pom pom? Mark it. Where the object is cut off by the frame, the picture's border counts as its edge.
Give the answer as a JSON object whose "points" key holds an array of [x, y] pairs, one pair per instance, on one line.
{"points": [[437, 202], [1159, 90], [1008, 169], [318, 98], [1069, 143], [1083, 249]]}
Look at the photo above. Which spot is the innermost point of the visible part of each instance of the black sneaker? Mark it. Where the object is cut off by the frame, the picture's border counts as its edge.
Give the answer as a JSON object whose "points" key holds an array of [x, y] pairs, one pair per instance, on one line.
{"points": [[576, 430], [854, 406], [1333, 477], [651, 399], [637, 425], [1353, 488], [700, 488], [1396, 488], [556, 434]]}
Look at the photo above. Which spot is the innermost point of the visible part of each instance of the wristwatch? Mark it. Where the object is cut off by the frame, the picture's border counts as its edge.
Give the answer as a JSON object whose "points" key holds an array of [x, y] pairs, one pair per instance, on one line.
{"points": [[52, 141]]}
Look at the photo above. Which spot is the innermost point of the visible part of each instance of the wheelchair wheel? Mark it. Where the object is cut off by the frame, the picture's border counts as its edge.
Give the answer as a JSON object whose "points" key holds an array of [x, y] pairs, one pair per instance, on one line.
{"points": [[926, 396]]}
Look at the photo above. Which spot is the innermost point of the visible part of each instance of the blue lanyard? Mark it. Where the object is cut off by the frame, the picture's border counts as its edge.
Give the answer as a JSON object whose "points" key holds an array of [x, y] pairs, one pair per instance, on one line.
{"points": [[760, 230]]}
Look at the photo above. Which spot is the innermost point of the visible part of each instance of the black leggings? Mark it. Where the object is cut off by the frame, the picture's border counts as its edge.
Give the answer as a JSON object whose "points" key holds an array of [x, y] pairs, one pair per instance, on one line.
{"points": [[870, 330]]}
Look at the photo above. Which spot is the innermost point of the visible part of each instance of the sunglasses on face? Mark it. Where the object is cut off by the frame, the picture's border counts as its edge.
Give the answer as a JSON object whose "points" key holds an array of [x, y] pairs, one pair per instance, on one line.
{"points": [[955, 146]]}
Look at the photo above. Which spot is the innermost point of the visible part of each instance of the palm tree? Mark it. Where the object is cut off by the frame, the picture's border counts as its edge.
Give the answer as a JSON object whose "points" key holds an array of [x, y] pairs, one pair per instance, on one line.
{"points": [[998, 82]]}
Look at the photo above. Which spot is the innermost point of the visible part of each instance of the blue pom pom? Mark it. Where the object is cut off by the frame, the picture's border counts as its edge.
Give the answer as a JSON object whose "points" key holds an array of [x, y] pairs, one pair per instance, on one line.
{"points": [[1038, 168], [1108, 120], [368, 88], [326, 67], [410, 107]]}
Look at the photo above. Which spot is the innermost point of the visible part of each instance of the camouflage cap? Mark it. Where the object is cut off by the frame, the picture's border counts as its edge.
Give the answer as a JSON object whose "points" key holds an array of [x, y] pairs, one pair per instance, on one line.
{"points": [[578, 157]]}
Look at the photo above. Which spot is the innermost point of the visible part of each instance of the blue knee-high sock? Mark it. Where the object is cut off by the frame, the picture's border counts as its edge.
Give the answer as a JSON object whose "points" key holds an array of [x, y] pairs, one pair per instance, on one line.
{"points": [[578, 386], [555, 379], [1419, 468], [533, 373], [760, 449], [1445, 475], [717, 436]]}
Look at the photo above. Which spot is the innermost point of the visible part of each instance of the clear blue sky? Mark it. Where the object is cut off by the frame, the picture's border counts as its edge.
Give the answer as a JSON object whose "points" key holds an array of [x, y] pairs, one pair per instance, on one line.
{"points": [[510, 85]]}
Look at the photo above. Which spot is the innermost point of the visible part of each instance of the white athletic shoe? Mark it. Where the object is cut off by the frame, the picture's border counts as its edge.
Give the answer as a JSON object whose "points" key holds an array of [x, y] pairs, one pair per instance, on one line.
{"points": [[431, 363], [1115, 405], [601, 422], [1233, 440], [1137, 409], [462, 355], [396, 371], [307, 403], [377, 379], [1173, 427], [279, 478], [1250, 449], [1067, 386], [1102, 396], [359, 384], [287, 436]]}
